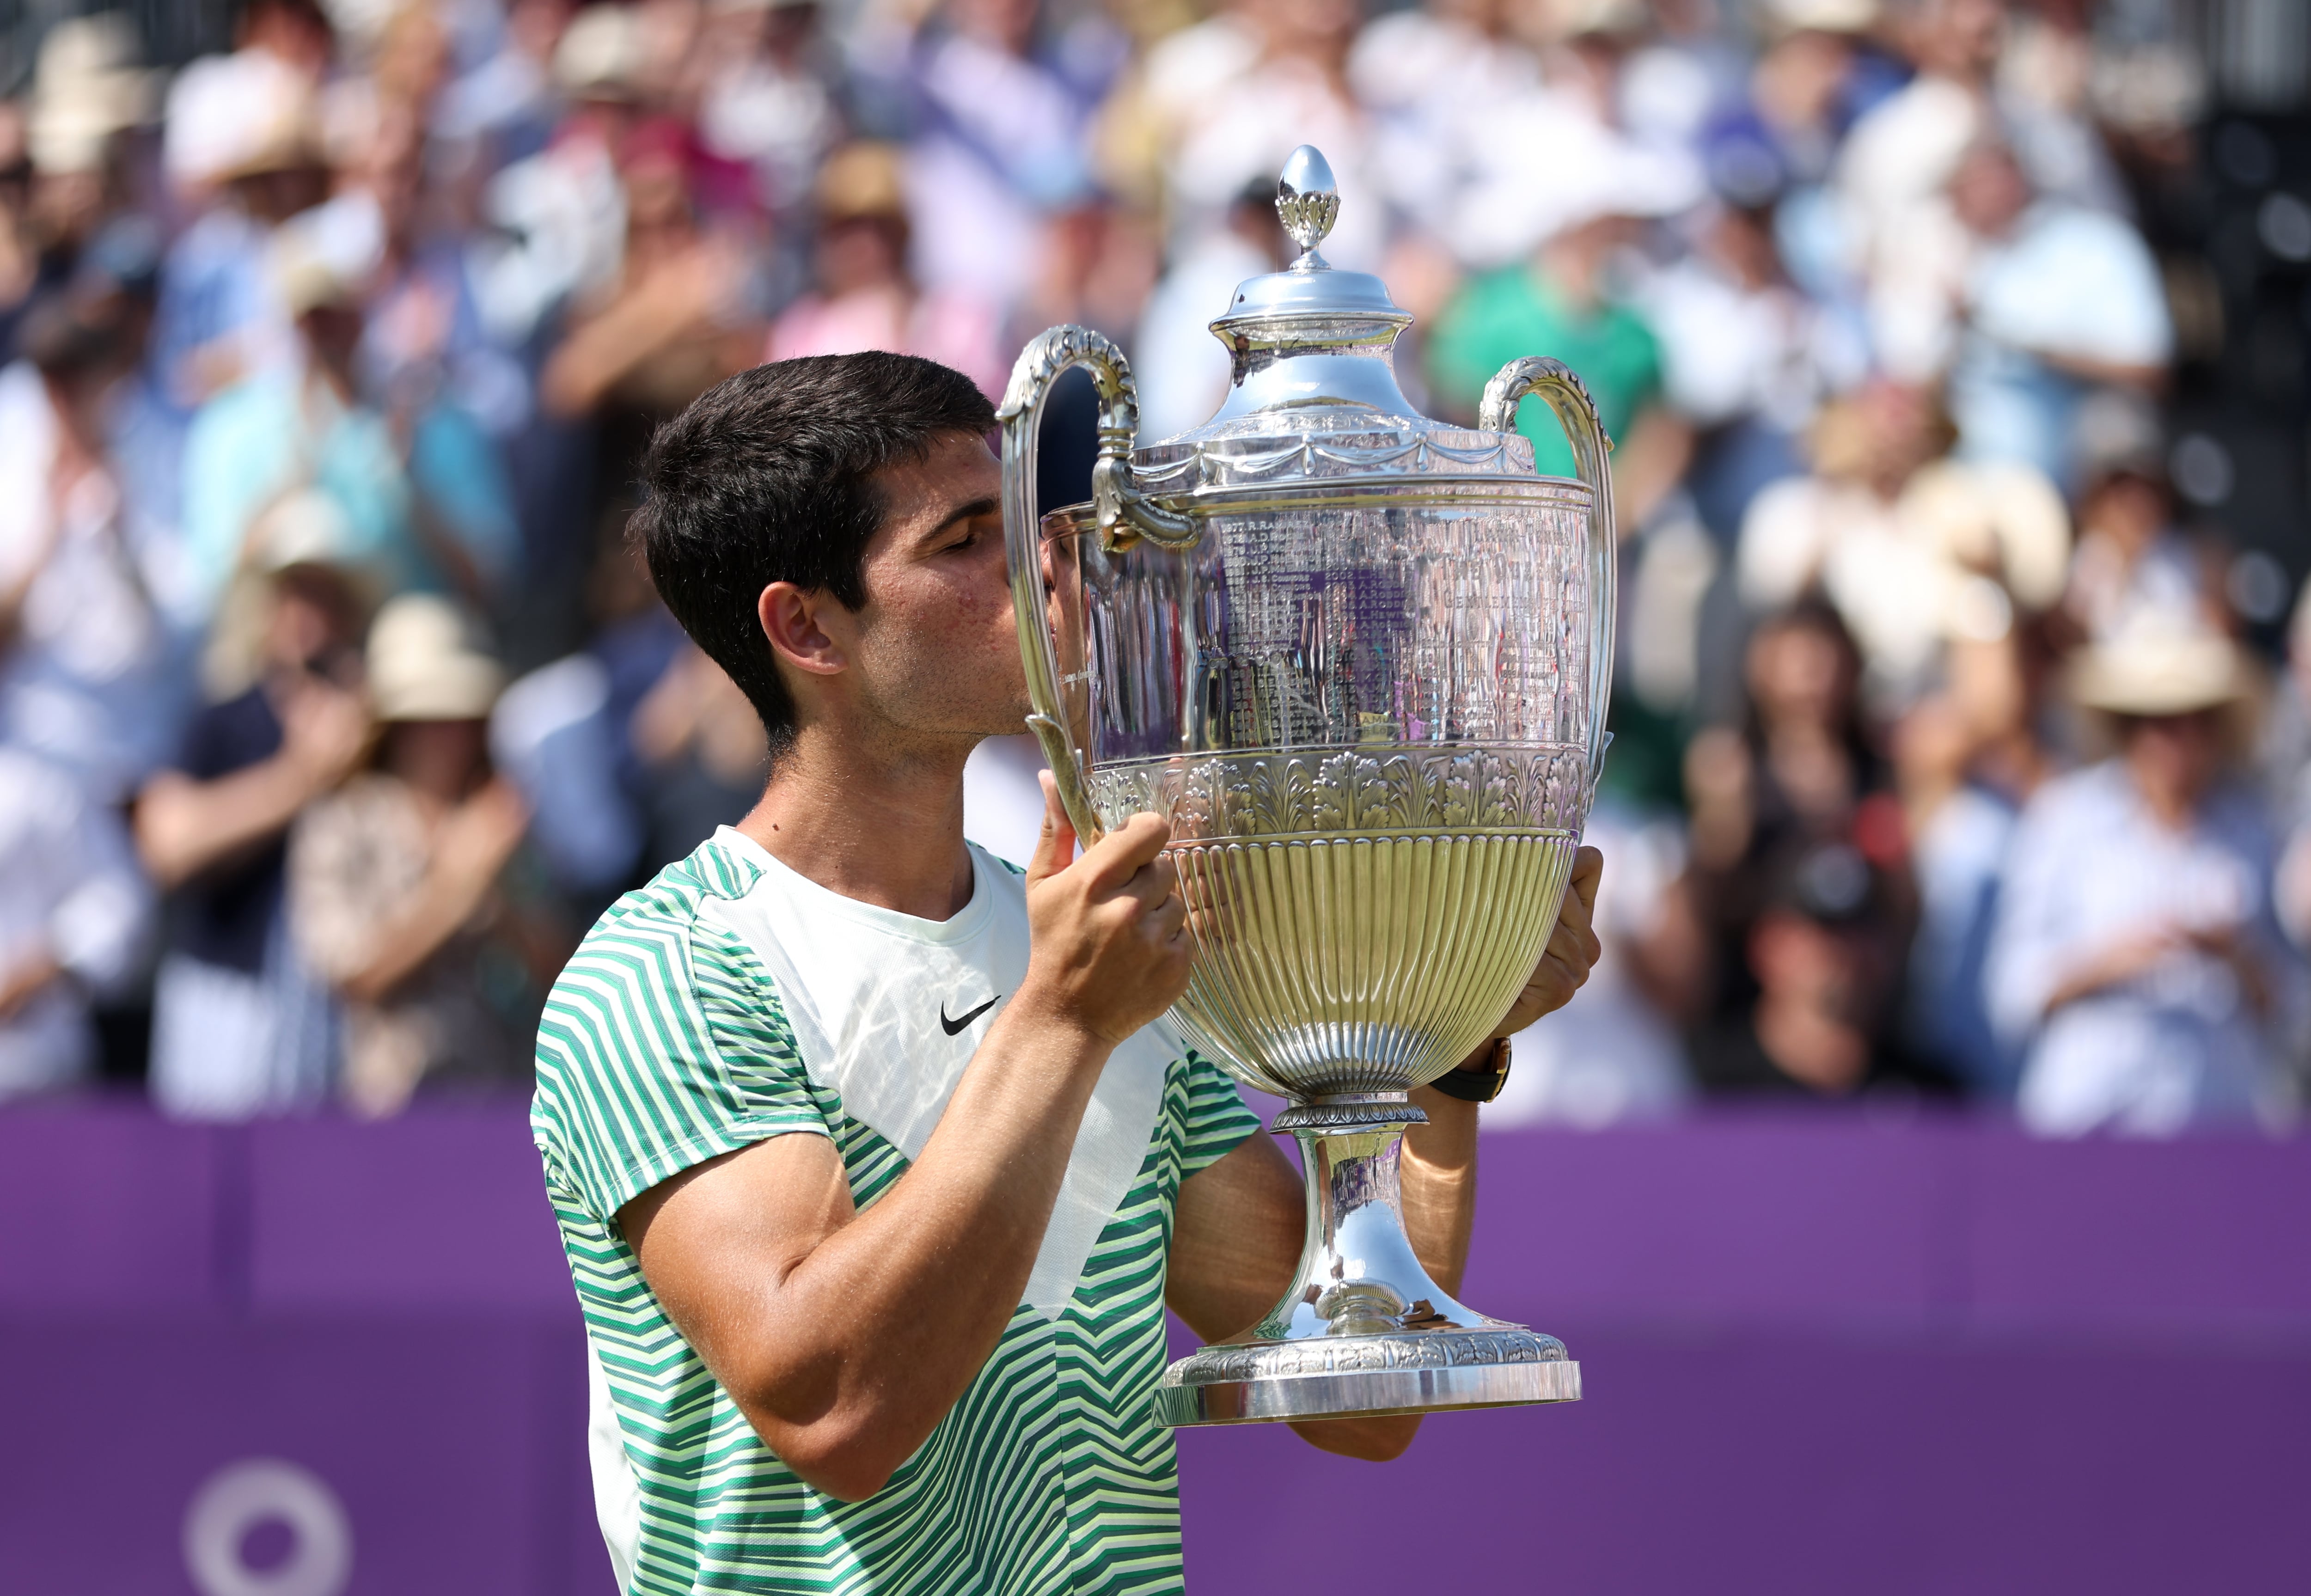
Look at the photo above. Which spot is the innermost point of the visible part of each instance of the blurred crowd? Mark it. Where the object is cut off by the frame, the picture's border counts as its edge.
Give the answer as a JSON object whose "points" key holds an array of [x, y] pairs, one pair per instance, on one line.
{"points": [[332, 704]]}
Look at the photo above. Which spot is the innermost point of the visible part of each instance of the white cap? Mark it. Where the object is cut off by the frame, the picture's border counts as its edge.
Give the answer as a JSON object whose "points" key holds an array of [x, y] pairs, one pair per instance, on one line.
{"points": [[1553, 167], [234, 115]]}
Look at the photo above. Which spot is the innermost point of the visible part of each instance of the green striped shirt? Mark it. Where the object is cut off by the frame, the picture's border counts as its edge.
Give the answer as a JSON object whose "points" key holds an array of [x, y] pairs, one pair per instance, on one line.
{"points": [[664, 1045]]}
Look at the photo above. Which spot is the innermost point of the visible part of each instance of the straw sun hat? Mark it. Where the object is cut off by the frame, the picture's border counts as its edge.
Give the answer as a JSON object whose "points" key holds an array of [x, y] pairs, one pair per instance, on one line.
{"points": [[426, 662], [2159, 671]]}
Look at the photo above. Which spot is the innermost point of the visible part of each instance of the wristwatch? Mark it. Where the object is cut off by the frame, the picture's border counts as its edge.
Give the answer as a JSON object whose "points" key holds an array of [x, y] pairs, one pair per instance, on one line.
{"points": [[1479, 1085]]}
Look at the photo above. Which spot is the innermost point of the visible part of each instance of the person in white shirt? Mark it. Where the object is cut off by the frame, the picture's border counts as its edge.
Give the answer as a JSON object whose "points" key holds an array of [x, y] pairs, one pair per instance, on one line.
{"points": [[2057, 298], [2137, 955], [91, 668]]}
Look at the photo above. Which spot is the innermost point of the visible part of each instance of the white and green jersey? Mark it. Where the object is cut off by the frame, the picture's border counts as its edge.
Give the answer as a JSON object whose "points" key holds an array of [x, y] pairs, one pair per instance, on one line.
{"points": [[731, 1001]]}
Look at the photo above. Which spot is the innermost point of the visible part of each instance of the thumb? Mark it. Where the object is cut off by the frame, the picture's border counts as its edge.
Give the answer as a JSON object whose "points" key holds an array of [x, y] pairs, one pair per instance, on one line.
{"points": [[1055, 847]]}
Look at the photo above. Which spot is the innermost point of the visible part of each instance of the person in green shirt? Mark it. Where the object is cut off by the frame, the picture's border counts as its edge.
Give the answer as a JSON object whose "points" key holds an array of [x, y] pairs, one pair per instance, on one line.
{"points": [[1558, 301]]}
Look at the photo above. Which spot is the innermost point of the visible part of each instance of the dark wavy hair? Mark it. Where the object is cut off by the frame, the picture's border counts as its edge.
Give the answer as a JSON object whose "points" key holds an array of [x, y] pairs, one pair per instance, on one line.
{"points": [[768, 476]]}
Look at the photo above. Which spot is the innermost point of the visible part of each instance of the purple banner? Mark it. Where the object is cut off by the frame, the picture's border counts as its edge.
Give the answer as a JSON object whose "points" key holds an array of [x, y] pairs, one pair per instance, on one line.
{"points": [[1833, 1355]]}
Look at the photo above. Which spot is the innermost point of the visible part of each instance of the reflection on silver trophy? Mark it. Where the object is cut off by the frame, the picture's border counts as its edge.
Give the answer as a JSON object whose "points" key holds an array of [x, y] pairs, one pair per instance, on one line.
{"points": [[1359, 660]]}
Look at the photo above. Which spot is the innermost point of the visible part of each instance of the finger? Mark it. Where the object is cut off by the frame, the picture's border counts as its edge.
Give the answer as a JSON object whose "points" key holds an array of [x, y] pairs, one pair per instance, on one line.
{"points": [[1116, 858], [1157, 880], [1587, 872], [1167, 920], [1055, 844]]}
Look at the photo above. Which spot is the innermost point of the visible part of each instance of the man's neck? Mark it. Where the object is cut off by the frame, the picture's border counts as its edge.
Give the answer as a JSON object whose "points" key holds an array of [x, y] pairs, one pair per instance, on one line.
{"points": [[883, 828]]}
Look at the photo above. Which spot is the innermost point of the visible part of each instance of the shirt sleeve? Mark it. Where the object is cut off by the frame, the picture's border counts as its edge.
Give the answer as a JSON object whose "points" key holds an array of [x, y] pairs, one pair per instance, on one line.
{"points": [[2033, 944], [662, 1047], [1217, 1117]]}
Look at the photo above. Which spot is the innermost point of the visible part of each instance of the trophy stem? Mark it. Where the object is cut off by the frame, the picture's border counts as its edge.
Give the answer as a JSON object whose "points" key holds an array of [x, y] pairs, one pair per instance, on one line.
{"points": [[1363, 1328]]}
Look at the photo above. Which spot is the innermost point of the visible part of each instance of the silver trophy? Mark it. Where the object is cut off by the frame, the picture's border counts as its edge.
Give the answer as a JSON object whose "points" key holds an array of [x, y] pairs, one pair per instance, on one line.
{"points": [[1359, 660]]}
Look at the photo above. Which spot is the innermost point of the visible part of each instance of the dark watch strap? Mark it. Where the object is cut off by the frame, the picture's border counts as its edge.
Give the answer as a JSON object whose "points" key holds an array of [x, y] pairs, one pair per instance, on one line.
{"points": [[1479, 1085]]}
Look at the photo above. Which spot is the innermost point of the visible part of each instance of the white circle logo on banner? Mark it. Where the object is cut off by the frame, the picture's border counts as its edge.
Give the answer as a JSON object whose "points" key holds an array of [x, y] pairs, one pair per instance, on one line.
{"points": [[237, 1498]]}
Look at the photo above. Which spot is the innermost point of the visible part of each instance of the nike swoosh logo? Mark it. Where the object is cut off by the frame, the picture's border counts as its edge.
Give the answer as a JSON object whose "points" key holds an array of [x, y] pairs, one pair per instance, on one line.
{"points": [[955, 1027]]}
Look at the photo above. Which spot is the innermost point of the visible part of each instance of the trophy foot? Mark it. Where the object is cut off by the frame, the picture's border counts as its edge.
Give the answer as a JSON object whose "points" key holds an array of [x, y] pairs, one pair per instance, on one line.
{"points": [[1498, 1365], [1364, 1329]]}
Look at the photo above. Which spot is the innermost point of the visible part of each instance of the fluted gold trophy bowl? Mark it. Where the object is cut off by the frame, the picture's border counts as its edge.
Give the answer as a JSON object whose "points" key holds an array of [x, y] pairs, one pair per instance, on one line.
{"points": [[1359, 660]]}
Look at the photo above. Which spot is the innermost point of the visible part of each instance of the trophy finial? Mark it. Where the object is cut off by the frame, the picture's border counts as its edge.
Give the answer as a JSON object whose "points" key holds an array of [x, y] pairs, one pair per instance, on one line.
{"points": [[1308, 202]]}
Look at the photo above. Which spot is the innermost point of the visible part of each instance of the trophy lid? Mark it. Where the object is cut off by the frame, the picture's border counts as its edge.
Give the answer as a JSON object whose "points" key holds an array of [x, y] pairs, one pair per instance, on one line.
{"points": [[1313, 391]]}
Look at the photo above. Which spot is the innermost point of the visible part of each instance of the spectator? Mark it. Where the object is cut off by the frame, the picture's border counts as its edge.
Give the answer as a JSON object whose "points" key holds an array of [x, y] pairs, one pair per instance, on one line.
{"points": [[1906, 546], [1966, 761], [2137, 959], [2057, 297], [999, 144], [1614, 1053], [507, 103], [557, 216], [1435, 79], [776, 100], [1803, 767], [1825, 954], [1746, 358], [865, 299], [1802, 776], [19, 250], [240, 1024], [243, 148], [1560, 301], [1902, 154], [406, 888], [675, 319], [2133, 565], [74, 917], [90, 673], [2284, 755], [87, 93], [424, 505], [1249, 107], [702, 749], [1184, 370], [414, 284]]}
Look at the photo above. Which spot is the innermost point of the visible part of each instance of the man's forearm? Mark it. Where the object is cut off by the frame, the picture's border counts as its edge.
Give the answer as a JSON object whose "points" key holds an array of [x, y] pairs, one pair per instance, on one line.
{"points": [[876, 1331], [184, 827], [1439, 1176]]}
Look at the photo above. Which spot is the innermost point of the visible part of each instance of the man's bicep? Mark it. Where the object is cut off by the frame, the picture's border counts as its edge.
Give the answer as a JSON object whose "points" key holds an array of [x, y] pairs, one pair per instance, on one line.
{"points": [[1235, 1239], [717, 1240]]}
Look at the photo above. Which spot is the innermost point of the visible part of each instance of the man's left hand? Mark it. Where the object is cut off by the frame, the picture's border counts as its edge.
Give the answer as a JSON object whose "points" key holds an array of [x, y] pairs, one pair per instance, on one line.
{"points": [[1571, 953]]}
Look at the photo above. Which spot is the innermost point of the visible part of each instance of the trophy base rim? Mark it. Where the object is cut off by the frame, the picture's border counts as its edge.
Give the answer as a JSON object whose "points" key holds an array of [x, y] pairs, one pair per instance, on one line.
{"points": [[1504, 1367]]}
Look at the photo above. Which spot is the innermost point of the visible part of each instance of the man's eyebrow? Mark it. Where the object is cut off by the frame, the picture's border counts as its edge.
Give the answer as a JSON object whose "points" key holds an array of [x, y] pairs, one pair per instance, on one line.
{"points": [[970, 509]]}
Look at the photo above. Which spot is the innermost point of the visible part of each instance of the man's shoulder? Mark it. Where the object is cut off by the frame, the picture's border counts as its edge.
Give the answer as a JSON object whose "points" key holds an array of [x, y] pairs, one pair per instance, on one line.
{"points": [[660, 936], [663, 1041]]}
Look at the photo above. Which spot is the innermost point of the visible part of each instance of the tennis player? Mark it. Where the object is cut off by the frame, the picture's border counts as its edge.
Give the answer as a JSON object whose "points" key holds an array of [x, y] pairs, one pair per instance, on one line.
{"points": [[874, 1166]]}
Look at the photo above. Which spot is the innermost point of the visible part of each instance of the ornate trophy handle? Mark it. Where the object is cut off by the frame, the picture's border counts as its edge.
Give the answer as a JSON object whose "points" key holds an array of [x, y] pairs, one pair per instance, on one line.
{"points": [[1555, 382], [1124, 515]]}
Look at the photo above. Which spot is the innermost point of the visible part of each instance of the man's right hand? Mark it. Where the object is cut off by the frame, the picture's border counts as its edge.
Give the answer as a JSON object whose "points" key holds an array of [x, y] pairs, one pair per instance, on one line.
{"points": [[1109, 945]]}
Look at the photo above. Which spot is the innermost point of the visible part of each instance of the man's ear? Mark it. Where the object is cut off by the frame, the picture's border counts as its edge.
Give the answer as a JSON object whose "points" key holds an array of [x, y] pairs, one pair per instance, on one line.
{"points": [[794, 619]]}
